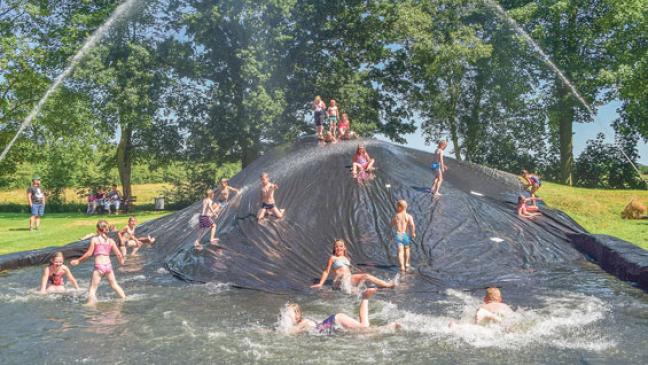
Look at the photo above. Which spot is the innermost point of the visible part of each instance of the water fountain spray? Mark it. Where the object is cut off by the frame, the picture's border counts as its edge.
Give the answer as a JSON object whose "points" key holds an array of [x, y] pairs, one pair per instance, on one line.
{"points": [[122, 9]]}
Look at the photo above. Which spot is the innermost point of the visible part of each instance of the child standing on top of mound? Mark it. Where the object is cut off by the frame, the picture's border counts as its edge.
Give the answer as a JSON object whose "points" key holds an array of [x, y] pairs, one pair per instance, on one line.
{"points": [[333, 116], [439, 167], [225, 189], [267, 198], [318, 115], [206, 219], [527, 211], [493, 309], [362, 161], [343, 126], [52, 278], [341, 265], [335, 322], [531, 182], [100, 247], [127, 238], [401, 222]]}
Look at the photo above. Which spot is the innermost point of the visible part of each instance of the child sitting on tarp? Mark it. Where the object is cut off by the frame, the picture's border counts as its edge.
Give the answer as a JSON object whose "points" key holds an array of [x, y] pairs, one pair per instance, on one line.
{"points": [[527, 211]]}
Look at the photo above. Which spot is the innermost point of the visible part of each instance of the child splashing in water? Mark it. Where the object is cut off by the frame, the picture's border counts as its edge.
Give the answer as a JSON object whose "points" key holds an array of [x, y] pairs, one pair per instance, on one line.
{"points": [[401, 222], [52, 278], [341, 266], [493, 309], [127, 238], [362, 161], [333, 117], [335, 322], [206, 219], [267, 199], [100, 247]]}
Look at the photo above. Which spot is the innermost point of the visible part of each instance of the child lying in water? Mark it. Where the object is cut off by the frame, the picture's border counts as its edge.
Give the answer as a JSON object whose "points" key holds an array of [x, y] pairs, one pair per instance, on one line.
{"points": [[52, 278], [341, 266], [336, 322], [493, 309]]}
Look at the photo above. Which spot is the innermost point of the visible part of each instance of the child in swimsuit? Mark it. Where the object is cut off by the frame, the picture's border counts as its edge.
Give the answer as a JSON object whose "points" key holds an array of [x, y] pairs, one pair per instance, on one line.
{"points": [[330, 138], [52, 278], [206, 219], [527, 211], [439, 167], [100, 247], [336, 322], [493, 309], [531, 182], [127, 238], [267, 198], [362, 161], [343, 126], [341, 265], [318, 115], [333, 116], [225, 190], [401, 222]]}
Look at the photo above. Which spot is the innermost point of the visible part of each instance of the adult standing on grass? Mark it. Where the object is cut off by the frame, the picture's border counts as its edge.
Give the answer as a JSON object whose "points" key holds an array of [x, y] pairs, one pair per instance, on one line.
{"points": [[36, 199]]}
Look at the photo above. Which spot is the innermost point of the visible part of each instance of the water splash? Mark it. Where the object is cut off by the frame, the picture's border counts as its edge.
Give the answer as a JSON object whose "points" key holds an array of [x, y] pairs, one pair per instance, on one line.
{"points": [[547, 60], [121, 10]]}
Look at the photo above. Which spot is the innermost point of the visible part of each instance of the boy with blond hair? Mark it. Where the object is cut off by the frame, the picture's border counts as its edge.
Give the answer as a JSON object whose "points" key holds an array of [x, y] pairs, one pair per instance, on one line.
{"points": [[402, 222]]}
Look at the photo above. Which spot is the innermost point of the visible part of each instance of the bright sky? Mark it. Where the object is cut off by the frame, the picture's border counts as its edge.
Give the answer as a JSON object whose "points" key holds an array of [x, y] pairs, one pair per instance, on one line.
{"points": [[582, 133]]}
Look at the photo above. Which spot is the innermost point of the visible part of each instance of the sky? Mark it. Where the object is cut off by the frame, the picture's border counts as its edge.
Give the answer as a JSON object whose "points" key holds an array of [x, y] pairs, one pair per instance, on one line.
{"points": [[583, 132]]}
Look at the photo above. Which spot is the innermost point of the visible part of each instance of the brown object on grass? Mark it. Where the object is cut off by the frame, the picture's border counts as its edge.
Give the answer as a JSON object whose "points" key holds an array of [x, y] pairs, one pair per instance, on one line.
{"points": [[634, 210]]}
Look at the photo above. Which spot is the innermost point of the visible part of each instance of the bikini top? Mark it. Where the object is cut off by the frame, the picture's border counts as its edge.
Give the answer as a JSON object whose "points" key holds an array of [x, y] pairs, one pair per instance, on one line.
{"points": [[339, 262], [102, 247], [361, 159], [56, 278]]}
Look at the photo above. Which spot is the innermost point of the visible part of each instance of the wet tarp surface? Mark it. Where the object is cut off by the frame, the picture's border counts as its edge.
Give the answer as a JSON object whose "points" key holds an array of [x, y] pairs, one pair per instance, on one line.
{"points": [[470, 237]]}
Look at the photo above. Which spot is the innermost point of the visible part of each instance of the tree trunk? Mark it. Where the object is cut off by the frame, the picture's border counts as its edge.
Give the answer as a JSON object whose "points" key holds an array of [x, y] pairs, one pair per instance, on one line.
{"points": [[565, 134], [249, 153], [125, 159]]}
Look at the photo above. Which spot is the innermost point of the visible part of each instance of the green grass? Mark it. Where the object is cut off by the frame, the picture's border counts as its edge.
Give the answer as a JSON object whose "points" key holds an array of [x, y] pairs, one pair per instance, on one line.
{"points": [[56, 229], [145, 194], [599, 210]]}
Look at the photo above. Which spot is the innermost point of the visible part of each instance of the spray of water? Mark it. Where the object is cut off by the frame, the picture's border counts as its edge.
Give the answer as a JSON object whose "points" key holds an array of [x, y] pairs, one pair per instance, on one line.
{"points": [[122, 9]]}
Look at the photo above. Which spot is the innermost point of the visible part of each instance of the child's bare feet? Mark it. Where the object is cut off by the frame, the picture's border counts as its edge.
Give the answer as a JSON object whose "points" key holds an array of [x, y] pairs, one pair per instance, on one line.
{"points": [[198, 246], [214, 241], [369, 293]]}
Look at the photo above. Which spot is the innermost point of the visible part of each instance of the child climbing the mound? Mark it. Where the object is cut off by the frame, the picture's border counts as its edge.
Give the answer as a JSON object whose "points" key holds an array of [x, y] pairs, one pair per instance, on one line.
{"points": [[333, 116], [362, 161], [402, 222], [493, 309], [531, 182], [318, 115], [127, 238], [336, 322], [439, 167], [206, 219], [341, 265], [100, 247], [52, 278], [225, 190], [527, 211], [267, 198]]}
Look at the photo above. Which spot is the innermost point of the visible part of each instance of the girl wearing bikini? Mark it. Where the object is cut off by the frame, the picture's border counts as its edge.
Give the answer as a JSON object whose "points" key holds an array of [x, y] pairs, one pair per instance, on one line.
{"points": [[336, 322], [52, 278], [318, 114], [341, 265], [127, 238], [206, 219], [362, 161], [100, 247], [333, 116]]}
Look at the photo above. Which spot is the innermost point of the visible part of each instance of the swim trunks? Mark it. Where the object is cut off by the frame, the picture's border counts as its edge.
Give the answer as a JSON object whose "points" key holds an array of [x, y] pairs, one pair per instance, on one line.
{"points": [[205, 221], [267, 206], [402, 239], [327, 326], [435, 166]]}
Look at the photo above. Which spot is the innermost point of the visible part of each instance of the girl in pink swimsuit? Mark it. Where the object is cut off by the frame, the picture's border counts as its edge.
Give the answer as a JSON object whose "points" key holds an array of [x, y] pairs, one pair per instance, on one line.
{"points": [[362, 161], [52, 278], [100, 247]]}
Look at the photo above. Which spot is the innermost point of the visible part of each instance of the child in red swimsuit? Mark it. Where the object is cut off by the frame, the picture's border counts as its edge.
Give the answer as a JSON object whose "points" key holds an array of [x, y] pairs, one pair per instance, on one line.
{"points": [[52, 278], [100, 247]]}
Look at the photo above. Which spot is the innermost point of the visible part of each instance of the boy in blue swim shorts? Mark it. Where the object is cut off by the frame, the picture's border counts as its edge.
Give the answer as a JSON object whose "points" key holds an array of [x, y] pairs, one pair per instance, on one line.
{"points": [[402, 223]]}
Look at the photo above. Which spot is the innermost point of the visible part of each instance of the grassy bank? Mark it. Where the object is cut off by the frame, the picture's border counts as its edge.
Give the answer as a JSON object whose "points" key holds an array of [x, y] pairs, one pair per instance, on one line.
{"points": [[598, 210], [56, 229], [145, 194]]}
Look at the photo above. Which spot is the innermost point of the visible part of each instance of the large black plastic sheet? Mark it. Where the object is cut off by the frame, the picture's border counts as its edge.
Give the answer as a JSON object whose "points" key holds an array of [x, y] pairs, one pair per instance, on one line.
{"points": [[470, 237]]}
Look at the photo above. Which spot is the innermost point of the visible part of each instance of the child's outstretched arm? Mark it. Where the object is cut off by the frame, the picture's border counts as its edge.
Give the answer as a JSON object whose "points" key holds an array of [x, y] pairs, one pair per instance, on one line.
{"points": [[117, 253], [70, 277], [87, 254], [44, 276], [325, 274]]}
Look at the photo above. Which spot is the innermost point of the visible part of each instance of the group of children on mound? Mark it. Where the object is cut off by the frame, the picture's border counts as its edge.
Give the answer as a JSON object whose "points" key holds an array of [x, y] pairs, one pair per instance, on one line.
{"points": [[338, 125], [101, 246]]}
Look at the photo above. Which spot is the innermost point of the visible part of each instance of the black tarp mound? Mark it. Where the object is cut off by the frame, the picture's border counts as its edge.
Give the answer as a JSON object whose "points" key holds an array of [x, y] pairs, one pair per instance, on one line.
{"points": [[469, 237]]}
